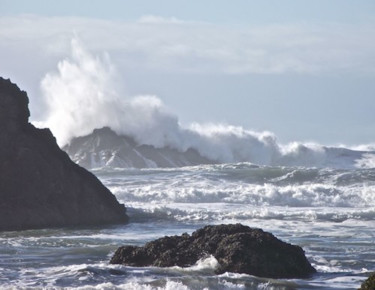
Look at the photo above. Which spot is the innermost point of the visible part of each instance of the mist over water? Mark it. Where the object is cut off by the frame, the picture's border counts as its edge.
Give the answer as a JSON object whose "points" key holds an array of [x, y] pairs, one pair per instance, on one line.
{"points": [[84, 94]]}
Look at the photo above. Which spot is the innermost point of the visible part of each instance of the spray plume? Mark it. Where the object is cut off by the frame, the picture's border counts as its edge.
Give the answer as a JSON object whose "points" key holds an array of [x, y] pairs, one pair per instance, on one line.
{"points": [[82, 95]]}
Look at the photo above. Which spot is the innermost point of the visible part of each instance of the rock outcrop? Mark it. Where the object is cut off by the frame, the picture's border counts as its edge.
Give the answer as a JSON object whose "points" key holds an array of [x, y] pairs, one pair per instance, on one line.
{"points": [[39, 185], [104, 148], [237, 248], [369, 283]]}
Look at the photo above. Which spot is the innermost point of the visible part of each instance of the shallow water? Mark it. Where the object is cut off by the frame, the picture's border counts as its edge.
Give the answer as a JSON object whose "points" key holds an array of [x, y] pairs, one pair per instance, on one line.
{"points": [[330, 213]]}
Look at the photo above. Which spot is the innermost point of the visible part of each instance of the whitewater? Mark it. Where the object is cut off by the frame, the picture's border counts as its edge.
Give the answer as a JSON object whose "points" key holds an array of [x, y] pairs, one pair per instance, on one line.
{"points": [[328, 212], [320, 198]]}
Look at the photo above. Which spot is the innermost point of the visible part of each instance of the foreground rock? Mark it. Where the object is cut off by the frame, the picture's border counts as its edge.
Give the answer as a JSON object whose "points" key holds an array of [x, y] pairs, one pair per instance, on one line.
{"points": [[39, 185], [369, 284], [237, 248]]}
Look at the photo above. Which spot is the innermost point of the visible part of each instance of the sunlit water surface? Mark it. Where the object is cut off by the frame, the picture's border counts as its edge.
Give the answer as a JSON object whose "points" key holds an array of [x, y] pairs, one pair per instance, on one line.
{"points": [[330, 213]]}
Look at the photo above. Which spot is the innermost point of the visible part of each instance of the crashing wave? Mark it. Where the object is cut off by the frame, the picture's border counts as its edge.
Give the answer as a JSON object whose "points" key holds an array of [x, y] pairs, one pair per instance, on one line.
{"points": [[83, 95], [105, 148]]}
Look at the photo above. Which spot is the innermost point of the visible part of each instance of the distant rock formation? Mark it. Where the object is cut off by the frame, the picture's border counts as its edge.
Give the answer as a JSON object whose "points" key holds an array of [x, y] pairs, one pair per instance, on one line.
{"points": [[104, 148], [237, 248], [39, 185]]}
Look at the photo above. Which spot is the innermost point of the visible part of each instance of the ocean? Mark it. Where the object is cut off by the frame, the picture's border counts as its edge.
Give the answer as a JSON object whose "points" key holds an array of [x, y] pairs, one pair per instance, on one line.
{"points": [[328, 212]]}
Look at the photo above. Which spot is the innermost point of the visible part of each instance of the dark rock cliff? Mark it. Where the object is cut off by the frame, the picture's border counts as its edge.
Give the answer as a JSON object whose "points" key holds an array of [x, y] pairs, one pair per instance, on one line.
{"points": [[369, 283], [237, 248], [39, 185]]}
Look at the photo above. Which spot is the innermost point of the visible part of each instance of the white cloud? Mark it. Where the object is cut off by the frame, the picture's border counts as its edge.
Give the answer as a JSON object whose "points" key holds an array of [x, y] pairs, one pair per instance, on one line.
{"points": [[168, 44], [152, 19]]}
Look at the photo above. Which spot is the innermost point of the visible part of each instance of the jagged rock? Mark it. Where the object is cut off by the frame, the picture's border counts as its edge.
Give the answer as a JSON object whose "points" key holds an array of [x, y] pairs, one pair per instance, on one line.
{"points": [[39, 185], [369, 283], [104, 148], [237, 248]]}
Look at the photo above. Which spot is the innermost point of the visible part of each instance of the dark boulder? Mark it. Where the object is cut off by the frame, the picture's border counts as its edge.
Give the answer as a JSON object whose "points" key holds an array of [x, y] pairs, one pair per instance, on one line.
{"points": [[39, 185], [369, 283], [237, 248]]}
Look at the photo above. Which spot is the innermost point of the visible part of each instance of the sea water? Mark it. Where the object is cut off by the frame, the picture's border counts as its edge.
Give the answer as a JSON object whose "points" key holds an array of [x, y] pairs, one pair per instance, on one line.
{"points": [[328, 212]]}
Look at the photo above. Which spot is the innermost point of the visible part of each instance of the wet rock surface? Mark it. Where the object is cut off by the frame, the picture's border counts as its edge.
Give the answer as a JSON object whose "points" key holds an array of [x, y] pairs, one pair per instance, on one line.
{"points": [[237, 248], [369, 283], [39, 185]]}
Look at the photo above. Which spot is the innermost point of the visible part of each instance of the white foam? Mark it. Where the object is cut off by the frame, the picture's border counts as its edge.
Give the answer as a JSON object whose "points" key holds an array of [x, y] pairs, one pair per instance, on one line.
{"points": [[83, 94], [169, 285], [261, 195], [367, 161], [206, 265], [215, 213]]}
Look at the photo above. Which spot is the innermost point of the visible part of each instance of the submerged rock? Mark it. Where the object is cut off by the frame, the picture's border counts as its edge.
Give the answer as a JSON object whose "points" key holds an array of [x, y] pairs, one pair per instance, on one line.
{"points": [[39, 185], [369, 283], [237, 248]]}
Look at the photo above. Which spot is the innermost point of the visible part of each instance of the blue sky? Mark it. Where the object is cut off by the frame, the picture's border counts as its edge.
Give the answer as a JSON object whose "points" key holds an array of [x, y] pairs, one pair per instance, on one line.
{"points": [[218, 11], [304, 70]]}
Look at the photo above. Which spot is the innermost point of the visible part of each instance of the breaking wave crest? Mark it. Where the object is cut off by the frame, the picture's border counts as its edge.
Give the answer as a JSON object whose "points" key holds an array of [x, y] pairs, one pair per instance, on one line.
{"points": [[83, 95], [242, 191], [247, 184]]}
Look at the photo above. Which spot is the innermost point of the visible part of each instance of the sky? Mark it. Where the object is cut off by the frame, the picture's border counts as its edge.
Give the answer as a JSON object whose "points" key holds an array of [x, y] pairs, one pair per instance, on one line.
{"points": [[303, 70]]}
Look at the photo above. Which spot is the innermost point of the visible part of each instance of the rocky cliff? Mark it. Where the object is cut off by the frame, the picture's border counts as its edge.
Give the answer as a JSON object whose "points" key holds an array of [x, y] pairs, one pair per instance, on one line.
{"points": [[39, 185], [104, 148]]}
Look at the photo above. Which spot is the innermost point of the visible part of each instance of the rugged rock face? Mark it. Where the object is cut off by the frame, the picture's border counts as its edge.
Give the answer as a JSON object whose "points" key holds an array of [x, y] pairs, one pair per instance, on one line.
{"points": [[369, 284], [39, 185], [237, 248], [104, 148]]}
